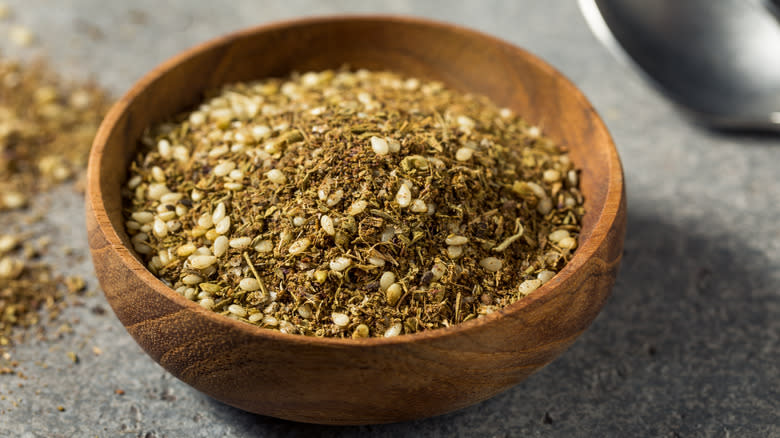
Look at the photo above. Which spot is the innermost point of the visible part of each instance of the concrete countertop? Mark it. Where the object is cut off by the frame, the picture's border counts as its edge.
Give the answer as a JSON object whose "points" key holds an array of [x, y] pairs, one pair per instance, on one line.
{"points": [[688, 345]]}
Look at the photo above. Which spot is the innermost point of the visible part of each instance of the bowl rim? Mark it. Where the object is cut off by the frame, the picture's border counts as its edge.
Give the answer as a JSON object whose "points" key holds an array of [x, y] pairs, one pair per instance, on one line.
{"points": [[614, 195]]}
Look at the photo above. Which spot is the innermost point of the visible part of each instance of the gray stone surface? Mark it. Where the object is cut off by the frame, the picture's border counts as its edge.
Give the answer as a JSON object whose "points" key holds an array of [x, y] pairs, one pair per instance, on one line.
{"points": [[687, 345]]}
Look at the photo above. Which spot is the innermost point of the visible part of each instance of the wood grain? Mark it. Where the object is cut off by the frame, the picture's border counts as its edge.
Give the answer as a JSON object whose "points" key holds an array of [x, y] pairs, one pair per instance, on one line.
{"points": [[373, 380]]}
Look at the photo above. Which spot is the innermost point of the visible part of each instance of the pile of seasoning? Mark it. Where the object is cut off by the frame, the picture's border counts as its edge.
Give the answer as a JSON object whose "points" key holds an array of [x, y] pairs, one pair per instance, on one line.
{"points": [[351, 204], [46, 129]]}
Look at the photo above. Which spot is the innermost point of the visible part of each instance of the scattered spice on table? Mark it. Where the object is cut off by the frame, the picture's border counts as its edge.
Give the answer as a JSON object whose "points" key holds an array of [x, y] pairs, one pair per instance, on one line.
{"points": [[351, 204], [46, 129]]}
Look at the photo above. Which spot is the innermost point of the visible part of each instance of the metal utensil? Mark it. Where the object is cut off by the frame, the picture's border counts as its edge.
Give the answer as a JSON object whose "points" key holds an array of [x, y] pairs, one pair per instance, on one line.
{"points": [[718, 60]]}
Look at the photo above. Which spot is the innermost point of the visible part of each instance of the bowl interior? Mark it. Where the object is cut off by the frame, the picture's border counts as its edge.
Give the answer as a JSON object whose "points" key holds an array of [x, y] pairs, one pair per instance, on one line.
{"points": [[464, 60]]}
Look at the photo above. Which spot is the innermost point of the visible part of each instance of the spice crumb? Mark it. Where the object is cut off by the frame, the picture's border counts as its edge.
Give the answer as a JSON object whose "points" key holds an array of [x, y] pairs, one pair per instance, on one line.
{"points": [[73, 357], [21, 36], [5, 11]]}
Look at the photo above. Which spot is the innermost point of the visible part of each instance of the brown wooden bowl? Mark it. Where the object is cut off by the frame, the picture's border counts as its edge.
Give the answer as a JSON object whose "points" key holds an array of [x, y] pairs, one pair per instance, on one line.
{"points": [[375, 380]]}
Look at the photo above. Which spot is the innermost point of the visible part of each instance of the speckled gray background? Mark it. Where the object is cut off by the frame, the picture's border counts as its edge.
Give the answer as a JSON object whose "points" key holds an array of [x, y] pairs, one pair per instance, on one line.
{"points": [[687, 345]]}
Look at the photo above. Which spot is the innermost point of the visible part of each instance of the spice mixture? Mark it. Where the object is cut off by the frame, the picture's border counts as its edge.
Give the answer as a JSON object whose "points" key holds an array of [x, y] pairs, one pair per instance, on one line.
{"points": [[46, 128], [357, 204]]}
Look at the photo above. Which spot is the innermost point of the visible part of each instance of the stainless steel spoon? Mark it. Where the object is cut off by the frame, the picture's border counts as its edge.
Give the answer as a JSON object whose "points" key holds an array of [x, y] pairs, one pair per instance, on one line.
{"points": [[719, 60]]}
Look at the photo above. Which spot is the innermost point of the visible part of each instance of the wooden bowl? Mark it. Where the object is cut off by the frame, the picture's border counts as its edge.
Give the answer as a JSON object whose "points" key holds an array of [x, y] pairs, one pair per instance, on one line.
{"points": [[374, 380]]}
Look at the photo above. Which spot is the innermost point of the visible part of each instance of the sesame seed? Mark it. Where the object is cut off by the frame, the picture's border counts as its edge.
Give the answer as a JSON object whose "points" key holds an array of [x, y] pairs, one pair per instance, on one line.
{"points": [[376, 261], [264, 246], [419, 206], [224, 168], [134, 182], [464, 154], [438, 270], [465, 122], [320, 276], [13, 200], [219, 213], [223, 225], [159, 228], [393, 145], [10, 268], [558, 235], [572, 178], [305, 311], [191, 294], [191, 279], [327, 225], [334, 198], [454, 251], [393, 293], [164, 149], [456, 240], [528, 286], [249, 284], [544, 206], [545, 276], [299, 246], [404, 196], [276, 176], [202, 261], [340, 319], [357, 207], [340, 263], [394, 330], [551, 176], [170, 198], [143, 217], [158, 175], [491, 264], [236, 174], [220, 246], [180, 153], [156, 190], [237, 310], [568, 243], [240, 242], [259, 132], [270, 321], [537, 190], [7, 243], [379, 146], [141, 248], [361, 331], [387, 279]]}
